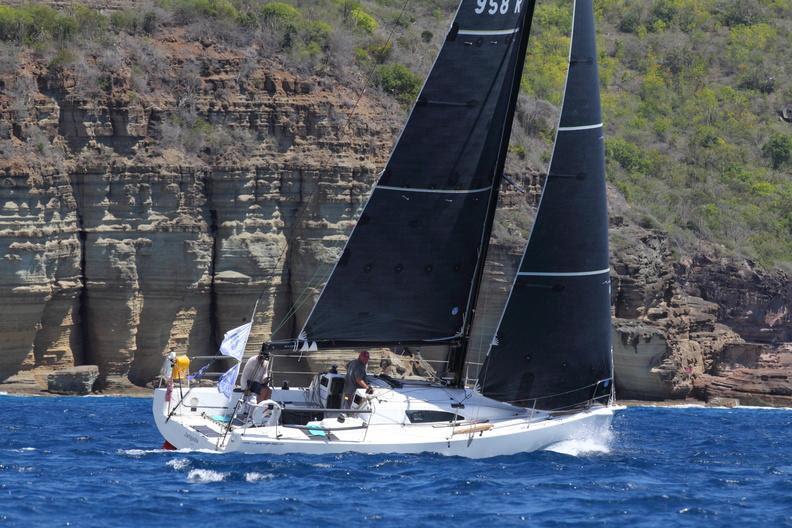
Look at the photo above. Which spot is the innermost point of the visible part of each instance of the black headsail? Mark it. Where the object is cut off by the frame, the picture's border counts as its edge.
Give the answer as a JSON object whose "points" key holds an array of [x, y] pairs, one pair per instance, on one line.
{"points": [[410, 270], [553, 344]]}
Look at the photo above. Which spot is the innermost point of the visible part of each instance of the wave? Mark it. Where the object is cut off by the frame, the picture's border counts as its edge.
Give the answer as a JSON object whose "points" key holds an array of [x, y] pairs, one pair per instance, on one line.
{"points": [[178, 463], [255, 477], [202, 476], [580, 447], [137, 453], [597, 443], [757, 408], [705, 406]]}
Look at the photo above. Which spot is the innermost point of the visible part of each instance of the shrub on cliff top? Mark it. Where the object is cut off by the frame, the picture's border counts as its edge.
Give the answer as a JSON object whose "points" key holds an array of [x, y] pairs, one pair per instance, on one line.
{"points": [[280, 12], [32, 23], [778, 149], [363, 20], [398, 81], [191, 9]]}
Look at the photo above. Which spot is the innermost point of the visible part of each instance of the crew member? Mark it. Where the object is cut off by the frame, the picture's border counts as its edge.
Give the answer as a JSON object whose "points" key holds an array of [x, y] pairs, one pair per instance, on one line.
{"points": [[356, 378], [256, 376]]}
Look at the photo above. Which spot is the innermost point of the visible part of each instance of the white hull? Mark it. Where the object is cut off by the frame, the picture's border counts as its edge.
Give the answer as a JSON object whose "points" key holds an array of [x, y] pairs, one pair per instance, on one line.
{"points": [[484, 428]]}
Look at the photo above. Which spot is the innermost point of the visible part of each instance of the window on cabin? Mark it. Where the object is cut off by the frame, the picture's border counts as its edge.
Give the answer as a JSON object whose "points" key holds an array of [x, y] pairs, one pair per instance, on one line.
{"points": [[432, 416]]}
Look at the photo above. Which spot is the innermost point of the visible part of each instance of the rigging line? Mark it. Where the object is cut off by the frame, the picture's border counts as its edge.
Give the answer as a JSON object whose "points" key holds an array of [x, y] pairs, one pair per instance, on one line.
{"points": [[468, 313], [498, 170], [577, 389], [300, 300], [366, 202], [297, 221], [374, 66]]}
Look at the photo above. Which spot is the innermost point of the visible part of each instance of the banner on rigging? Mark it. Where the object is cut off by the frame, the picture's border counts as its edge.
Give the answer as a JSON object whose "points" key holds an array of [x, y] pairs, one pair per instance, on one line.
{"points": [[234, 341], [233, 345]]}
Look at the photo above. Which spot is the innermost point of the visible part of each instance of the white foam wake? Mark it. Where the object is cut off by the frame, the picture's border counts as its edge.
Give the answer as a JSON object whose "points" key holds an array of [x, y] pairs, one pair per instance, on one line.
{"points": [[201, 476], [178, 463], [255, 477], [598, 443], [579, 447], [137, 453]]}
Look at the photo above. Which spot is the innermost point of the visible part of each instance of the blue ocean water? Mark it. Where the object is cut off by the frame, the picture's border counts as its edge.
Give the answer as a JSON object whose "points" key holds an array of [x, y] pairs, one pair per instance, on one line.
{"points": [[96, 462]]}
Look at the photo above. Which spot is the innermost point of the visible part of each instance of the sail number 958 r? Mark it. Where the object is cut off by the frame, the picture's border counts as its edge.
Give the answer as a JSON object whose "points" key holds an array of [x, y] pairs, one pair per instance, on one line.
{"points": [[492, 7]]}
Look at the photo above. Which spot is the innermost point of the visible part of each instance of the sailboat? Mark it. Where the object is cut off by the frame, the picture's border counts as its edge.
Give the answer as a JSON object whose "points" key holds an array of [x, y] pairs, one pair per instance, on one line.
{"points": [[410, 273]]}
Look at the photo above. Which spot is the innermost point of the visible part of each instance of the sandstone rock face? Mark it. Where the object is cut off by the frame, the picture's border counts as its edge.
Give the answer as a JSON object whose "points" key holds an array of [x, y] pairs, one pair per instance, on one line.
{"points": [[75, 380], [755, 303], [40, 278], [121, 245], [152, 214], [765, 387]]}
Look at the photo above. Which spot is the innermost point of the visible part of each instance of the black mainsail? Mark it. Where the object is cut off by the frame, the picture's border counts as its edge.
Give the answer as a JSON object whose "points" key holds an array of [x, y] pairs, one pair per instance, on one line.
{"points": [[411, 268], [553, 345]]}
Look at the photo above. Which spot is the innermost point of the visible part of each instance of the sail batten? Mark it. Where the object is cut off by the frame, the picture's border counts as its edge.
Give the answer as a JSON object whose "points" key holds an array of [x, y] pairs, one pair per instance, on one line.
{"points": [[437, 191], [410, 268], [579, 127], [552, 348]]}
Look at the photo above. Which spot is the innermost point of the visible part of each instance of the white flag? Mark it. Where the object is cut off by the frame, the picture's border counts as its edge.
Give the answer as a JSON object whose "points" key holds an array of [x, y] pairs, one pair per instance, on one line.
{"points": [[227, 381], [234, 341]]}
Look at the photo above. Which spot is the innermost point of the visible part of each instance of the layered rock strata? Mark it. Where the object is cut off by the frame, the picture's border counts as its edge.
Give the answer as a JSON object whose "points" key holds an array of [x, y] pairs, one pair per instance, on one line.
{"points": [[152, 214], [119, 249]]}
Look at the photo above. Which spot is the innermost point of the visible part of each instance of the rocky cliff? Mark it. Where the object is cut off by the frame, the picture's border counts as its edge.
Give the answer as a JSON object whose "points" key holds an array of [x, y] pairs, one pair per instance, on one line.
{"points": [[148, 210], [120, 243]]}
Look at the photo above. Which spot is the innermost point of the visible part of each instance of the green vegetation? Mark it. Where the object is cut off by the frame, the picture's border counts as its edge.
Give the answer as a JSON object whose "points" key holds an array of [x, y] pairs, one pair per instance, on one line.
{"points": [[691, 89], [29, 24], [691, 92], [363, 20], [398, 81]]}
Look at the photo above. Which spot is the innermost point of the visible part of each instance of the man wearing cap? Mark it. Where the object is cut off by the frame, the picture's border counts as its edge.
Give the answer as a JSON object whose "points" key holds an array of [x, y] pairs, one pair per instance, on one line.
{"points": [[356, 378], [256, 376]]}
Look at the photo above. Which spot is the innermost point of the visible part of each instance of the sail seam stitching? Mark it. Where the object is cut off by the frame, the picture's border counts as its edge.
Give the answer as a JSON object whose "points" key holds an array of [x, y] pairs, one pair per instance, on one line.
{"points": [[583, 127], [440, 191], [562, 274]]}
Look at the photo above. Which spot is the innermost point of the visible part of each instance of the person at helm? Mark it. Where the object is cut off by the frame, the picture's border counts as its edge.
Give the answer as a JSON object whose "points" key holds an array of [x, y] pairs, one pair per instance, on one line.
{"points": [[256, 376], [356, 378]]}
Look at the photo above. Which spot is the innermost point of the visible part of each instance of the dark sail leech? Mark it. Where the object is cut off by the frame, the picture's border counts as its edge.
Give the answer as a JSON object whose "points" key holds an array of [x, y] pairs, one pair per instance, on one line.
{"points": [[553, 345], [408, 270]]}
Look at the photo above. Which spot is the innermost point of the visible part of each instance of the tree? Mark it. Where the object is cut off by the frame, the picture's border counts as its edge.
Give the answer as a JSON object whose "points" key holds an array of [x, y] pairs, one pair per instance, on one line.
{"points": [[779, 149]]}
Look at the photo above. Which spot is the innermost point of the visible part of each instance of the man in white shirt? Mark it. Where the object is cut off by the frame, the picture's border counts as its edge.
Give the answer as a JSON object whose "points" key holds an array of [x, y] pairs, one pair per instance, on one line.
{"points": [[256, 376]]}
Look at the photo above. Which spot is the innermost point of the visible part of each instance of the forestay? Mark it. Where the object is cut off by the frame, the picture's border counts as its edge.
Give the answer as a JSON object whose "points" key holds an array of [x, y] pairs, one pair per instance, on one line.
{"points": [[409, 271], [553, 344]]}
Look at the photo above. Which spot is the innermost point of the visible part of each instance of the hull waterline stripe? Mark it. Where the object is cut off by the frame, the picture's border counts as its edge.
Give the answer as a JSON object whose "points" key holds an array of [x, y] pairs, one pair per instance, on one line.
{"points": [[584, 127], [439, 191], [474, 32], [562, 274]]}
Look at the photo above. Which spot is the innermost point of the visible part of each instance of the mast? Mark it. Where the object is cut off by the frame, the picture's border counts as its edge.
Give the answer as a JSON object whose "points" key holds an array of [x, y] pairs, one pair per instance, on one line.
{"points": [[458, 354], [553, 344], [410, 270]]}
